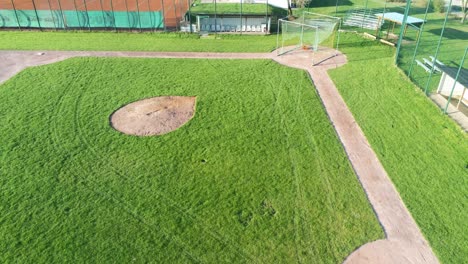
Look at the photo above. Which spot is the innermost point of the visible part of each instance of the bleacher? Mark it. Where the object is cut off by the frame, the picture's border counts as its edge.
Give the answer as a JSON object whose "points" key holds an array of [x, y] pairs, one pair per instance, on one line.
{"points": [[362, 18]]}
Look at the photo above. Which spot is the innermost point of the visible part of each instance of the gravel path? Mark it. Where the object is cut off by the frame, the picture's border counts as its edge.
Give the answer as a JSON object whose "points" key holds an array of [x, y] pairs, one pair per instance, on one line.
{"points": [[404, 241]]}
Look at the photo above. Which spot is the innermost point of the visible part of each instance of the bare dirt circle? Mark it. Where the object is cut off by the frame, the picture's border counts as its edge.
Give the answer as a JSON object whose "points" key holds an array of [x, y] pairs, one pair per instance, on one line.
{"points": [[154, 116]]}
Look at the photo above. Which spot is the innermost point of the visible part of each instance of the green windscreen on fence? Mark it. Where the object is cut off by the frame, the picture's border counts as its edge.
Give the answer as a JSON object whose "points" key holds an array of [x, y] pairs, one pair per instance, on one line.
{"points": [[80, 19]]}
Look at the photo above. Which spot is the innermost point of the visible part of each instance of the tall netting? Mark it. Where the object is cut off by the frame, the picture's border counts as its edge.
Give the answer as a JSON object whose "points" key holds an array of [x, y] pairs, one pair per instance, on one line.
{"points": [[92, 14], [295, 35], [310, 31], [432, 53]]}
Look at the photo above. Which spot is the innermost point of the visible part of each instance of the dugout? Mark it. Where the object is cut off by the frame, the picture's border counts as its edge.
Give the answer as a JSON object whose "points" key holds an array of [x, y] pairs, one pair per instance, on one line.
{"points": [[254, 23]]}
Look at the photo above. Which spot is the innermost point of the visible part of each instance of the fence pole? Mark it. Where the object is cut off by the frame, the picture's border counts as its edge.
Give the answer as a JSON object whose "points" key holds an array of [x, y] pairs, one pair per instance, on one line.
{"points": [[37, 16], [216, 18], [138, 12], [87, 15], [241, 17], [63, 16], [128, 15], [77, 14], [175, 12], [277, 37], [190, 15], [455, 81], [336, 7], [266, 15], [103, 15], [438, 48], [151, 15], [16, 15], [113, 15], [365, 13], [52, 14], [419, 39], [164, 15], [403, 25]]}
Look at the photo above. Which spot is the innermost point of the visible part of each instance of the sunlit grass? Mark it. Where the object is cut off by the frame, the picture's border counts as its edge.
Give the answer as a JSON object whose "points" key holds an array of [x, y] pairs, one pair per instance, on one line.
{"points": [[258, 175]]}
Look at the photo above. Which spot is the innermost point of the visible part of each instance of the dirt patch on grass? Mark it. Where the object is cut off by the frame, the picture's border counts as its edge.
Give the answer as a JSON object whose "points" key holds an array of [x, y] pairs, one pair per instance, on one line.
{"points": [[154, 116]]}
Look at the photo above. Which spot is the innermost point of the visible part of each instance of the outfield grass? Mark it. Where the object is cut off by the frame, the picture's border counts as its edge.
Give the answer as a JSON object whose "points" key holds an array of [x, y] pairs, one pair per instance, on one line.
{"points": [[33, 40], [423, 151], [276, 186]]}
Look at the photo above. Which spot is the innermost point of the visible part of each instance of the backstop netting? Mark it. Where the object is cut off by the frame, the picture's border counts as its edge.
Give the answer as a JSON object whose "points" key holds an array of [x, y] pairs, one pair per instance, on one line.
{"points": [[310, 31]]}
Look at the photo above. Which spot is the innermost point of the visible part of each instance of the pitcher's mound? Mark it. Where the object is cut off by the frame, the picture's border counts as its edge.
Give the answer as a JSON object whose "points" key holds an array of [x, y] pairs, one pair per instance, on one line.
{"points": [[154, 116]]}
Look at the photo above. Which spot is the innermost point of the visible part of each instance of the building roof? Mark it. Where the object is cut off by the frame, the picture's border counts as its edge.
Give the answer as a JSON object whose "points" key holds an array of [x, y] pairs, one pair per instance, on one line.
{"points": [[398, 18]]}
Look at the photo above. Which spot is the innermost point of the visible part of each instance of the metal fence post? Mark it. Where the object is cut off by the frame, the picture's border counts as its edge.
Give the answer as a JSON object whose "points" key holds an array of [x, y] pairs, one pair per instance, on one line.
{"points": [[403, 25], [216, 22], [87, 15], [138, 12], [113, 15], [419, 39], [455, 81], [164, 15], [37, 16], [63, 16], [241, 17], [438, 48], [52, 14], [16, 14]]}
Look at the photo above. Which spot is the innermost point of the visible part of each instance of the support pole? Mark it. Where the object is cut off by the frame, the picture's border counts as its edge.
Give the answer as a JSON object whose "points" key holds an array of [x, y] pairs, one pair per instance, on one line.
{"points": [[266, 14], [138, 12], [365, 13], [277, 37], [113, 15], [87, 15], [77, 14], [103, 14], [128, 15], [241, 17], [336, 7], [63, 16], [52, 14], [438, 49], [175, 12], [419, 40], [164, 15], [190, 15], [215, 15], [16, 14], [37, 16], [403, 25], [455, 81]]}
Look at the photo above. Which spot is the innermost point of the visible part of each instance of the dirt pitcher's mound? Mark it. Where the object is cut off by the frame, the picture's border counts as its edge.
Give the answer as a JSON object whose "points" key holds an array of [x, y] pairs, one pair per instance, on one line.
{"points": [[154, 116]]}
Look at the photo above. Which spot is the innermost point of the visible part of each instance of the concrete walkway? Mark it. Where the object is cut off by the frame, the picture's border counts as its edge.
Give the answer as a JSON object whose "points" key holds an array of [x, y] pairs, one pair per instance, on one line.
{"points": [[404, 241], [458, 116]]}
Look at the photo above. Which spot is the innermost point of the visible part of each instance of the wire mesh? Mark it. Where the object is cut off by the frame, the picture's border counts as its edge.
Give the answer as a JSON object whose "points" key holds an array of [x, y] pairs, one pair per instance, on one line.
{"points": [[91, 14]]}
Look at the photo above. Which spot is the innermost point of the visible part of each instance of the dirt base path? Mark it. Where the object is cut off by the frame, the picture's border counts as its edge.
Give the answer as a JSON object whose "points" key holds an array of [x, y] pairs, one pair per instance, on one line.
{"points": [[12, 62], [404, 241]]}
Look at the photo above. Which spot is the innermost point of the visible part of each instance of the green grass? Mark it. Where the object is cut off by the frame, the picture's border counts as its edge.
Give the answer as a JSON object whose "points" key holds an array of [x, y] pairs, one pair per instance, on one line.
{"points": [[276, 187], [423, 151], [14, 40], [453, 45]]}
